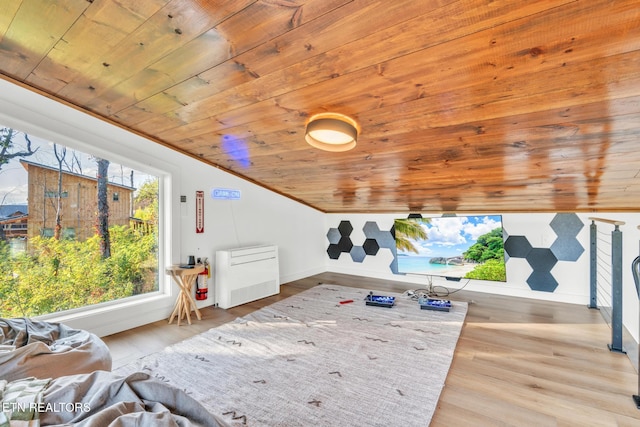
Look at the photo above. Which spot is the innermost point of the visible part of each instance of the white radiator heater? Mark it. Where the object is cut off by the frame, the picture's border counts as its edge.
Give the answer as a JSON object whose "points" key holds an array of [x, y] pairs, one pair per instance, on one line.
{"points": [[246, 274]]}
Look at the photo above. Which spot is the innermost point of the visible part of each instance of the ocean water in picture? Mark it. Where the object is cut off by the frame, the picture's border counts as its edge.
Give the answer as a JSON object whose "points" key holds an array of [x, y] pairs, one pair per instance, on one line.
{"points": [[421, 265]]}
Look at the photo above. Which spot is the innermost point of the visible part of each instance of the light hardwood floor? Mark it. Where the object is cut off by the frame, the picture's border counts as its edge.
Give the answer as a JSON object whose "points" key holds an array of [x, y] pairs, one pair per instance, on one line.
{"points": [[518, 362]]}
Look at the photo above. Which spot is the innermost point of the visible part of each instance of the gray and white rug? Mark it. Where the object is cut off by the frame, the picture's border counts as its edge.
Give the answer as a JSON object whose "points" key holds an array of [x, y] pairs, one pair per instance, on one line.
{"points": [[310, 361]]}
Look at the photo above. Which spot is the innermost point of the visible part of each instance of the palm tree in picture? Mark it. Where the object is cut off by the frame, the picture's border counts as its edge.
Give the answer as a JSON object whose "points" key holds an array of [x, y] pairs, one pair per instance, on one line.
{"points": [[410, 229]]}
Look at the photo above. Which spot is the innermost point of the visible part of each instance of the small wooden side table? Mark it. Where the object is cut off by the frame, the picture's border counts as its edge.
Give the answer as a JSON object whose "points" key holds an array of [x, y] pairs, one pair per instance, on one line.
{"points": [[185, 278]]}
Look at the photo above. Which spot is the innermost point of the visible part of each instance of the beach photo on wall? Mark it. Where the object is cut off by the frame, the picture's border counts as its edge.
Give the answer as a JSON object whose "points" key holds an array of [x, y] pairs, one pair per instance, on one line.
{"points": [[454, 247]]}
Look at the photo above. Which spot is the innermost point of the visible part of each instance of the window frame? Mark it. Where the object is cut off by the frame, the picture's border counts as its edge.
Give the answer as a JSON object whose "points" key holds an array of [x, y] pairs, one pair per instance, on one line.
{"points": [[53, 121]]}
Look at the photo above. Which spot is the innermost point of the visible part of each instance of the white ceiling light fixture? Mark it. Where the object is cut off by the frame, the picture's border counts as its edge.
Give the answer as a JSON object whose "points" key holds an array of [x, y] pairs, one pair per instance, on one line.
{"points": [[332, 132]]}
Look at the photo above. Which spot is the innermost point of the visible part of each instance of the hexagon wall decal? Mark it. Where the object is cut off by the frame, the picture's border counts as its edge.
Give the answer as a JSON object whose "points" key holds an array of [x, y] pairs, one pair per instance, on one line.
{"points": [[345, 228], [357, 254], [345, 244], [566, 224], [542, 281], [567, 249], [371, 246], [340, 241], [541, 259], [384, 239], [333, 251], [333, 235], [517, 246], [394, 265]]}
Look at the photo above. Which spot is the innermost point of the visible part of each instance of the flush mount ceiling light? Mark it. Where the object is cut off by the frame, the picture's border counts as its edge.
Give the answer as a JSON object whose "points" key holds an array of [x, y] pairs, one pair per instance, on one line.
{"points": [[331, 132]]}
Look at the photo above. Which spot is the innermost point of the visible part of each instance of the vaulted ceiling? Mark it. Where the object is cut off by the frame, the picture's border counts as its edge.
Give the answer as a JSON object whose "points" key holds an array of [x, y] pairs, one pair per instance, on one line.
{"points": [[464, 105]]}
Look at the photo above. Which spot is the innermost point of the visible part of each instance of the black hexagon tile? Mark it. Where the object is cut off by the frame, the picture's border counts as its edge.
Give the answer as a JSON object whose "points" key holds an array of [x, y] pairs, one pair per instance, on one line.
{"points": [[371, 247], [345, 228], [517, 246]]}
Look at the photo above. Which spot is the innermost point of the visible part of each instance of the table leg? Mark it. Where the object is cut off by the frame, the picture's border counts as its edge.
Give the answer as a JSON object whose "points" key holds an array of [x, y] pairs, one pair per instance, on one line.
{"points": [[180, 308], [192, 302], [175, 311], [187, 307], [184, 302]]}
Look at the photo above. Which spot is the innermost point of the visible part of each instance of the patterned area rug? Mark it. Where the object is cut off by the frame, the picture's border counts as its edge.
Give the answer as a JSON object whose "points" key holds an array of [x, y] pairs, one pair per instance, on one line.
{"points": [[310, 361]]}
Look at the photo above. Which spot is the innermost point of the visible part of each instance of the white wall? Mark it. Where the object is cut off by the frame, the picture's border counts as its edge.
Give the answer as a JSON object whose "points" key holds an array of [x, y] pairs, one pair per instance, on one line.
{"points": [[259, 217]]}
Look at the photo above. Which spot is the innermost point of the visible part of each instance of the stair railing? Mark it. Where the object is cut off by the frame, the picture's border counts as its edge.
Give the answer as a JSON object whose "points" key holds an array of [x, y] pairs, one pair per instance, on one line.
{"points": [[635, 269], [606, 277]]}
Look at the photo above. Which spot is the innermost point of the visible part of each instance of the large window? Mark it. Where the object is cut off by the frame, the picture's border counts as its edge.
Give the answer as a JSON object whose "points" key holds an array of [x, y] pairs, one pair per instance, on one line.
{"points": [[89, 228]]}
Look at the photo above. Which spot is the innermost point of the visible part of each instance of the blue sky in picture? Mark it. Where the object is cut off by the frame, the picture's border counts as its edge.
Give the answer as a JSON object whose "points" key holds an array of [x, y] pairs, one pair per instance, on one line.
{"points": [[451, 236]]}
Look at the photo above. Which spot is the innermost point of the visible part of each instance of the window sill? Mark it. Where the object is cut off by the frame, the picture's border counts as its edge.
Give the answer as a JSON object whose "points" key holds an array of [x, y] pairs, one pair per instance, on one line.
{"points": [[116, 317]]}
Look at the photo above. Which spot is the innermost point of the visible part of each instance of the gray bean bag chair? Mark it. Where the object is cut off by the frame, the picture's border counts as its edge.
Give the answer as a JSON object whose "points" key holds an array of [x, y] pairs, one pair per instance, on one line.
{"points": [[101, 399], [30, 348]]}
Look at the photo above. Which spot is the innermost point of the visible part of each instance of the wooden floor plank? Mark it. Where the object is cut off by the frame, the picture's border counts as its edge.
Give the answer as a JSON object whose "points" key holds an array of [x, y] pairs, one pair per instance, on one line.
{"points": [[518, 361], [482, 409]]}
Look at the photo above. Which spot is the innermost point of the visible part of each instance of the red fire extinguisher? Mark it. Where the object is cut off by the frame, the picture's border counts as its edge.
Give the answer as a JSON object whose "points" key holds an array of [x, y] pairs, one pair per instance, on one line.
{"points": [[201, 282]]}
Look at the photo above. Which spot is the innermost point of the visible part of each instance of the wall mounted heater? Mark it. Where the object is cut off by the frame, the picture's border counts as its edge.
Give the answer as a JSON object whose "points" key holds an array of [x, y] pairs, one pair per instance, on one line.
{"points": [[246, 274]]}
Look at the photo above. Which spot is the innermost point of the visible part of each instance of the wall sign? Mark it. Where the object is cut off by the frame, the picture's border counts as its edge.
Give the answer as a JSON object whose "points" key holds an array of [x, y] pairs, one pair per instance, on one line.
{"points": [[225, 194], [199, 211]]}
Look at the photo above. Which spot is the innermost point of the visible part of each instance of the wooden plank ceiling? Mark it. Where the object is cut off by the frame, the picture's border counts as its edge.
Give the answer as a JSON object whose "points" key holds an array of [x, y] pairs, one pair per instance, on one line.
{"points": [[465, 106]]}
